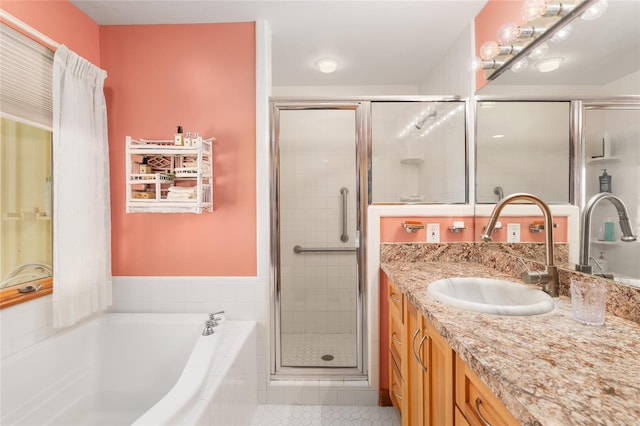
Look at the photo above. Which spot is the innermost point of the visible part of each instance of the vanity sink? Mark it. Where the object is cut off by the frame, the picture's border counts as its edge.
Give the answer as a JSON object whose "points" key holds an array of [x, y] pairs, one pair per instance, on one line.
{"points": [[491, 296]]}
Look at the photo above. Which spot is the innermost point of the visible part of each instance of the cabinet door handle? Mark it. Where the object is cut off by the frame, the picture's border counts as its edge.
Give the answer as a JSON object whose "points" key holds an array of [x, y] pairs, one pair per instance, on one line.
{"points": [[395, 340], [394, 392], [482, 419], [424, 339], [413, 344]]}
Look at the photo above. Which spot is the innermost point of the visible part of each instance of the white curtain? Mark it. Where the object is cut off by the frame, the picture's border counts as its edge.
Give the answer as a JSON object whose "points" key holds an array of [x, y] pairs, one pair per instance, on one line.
{"points": [[81, 205]]}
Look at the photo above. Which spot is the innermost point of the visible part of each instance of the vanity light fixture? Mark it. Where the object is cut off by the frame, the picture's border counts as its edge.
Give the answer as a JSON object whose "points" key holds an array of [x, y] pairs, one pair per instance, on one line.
{"points": [[534, 9], [595, 11], [327, 65], [549, 64]]}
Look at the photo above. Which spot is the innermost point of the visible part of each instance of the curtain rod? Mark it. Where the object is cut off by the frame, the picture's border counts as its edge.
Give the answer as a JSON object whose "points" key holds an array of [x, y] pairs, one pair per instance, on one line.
{"points": [[28, 30]]}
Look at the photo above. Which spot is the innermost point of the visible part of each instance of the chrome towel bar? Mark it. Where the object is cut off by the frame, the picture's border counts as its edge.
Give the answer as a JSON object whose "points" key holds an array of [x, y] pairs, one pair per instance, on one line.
{"points": [[299, 249]]}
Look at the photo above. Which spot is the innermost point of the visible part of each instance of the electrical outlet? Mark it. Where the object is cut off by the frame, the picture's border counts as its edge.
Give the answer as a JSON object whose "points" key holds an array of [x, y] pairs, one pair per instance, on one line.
{"points": [[513, 232], [433, 232]]}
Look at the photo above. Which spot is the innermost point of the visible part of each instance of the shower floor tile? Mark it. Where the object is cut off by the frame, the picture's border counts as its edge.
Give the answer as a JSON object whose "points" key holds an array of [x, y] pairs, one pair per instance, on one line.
{"points": [[307, 350], [324, 415]]}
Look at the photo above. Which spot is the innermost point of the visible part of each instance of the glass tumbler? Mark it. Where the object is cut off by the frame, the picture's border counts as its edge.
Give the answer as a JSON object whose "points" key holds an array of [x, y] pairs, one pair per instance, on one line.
{"points": [[588, 300]]}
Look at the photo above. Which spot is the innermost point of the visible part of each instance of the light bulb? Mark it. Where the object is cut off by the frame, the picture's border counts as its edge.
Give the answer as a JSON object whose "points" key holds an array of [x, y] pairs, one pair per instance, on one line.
{"points": [[489, 50], [520, 66], [595, 11], [562, 34], [539, 52], [532, 10], [327, 65], [507, 33], [476, 64]]}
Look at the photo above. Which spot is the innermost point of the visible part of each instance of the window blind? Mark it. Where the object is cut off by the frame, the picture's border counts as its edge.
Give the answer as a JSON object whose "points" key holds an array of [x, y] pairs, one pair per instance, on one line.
{"points": [[26, 69]]}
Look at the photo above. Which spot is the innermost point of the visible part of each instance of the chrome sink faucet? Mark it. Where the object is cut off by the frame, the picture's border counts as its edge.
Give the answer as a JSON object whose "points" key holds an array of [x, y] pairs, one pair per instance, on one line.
{"points": [[585, 227], [549, 277]]}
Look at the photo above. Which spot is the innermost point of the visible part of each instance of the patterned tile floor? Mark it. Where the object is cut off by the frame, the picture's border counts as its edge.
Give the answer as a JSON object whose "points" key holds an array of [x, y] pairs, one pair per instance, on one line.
{"points": [[306, 350], [324, 415]]}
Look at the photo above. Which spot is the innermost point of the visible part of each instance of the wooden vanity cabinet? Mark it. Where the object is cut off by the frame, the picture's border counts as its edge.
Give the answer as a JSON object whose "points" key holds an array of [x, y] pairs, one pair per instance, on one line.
{"points": [[476, 402], [397, 351], [428, 382]]}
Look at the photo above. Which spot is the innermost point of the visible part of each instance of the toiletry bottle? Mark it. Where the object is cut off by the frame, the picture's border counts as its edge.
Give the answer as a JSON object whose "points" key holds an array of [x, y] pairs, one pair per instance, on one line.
{"points": [[187, 139], [608, 230], [605, 182], [197, 141], [145, 167], [603, 262], [178, 137], [600, 234]]}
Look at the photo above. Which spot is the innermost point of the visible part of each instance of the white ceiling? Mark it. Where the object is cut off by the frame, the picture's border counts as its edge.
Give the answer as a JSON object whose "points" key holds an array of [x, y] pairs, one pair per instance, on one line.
{"points": [[377, 42]]}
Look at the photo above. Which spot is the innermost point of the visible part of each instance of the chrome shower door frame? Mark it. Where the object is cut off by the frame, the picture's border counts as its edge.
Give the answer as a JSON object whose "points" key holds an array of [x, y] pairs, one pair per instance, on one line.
{"points": [[362, 119]]}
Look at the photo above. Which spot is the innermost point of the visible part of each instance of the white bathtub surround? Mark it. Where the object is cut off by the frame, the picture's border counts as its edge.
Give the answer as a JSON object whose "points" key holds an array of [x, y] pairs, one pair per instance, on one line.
{"points": [[242, 298], [294, 415], [81, 206], [111, 370]]}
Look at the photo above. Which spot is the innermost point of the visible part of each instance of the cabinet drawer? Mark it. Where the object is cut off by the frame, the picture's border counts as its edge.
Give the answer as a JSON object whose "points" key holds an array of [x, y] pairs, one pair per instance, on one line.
{"points": [[476, 402], [396, 387], [397, 340], [396, 302]]}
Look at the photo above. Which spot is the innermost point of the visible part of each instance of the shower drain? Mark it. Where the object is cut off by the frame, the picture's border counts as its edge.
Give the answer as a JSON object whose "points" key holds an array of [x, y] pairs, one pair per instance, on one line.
{"points": [[327, 357]]}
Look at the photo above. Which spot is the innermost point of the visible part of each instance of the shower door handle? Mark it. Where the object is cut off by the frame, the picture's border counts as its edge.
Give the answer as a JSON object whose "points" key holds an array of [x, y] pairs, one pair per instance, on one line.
{"points": [[344, 237]]}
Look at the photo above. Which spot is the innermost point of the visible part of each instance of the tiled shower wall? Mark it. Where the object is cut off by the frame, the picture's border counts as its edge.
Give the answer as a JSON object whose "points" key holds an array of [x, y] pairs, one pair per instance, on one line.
{"points": [[623, 129], [317, 159]]}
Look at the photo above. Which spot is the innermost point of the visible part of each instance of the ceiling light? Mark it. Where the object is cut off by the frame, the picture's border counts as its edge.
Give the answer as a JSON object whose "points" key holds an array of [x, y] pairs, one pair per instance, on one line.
{"points": [[550, 64], [327, 65], [595, 11]]}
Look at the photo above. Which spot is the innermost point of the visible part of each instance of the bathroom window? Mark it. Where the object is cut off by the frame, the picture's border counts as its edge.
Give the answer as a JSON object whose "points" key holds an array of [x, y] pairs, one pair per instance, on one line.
{"points": [[25, 204], [25, 167]]}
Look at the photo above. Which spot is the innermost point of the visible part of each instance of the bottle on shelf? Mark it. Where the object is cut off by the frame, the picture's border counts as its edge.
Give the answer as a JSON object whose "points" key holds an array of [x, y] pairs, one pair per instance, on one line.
{"points": [[187, 139], [605, 182], [178, 138], [608, 230], [145, 167]]}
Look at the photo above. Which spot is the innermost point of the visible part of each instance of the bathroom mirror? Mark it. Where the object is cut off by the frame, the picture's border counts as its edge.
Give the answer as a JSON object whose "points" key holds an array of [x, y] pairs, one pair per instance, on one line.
{"points": [[600, 57], [418, 152], [522, 147]]}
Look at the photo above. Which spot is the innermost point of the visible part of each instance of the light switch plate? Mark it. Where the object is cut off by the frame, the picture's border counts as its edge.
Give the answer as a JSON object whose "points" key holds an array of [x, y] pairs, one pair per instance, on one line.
{"points": [[513, 232], [433, 232]]}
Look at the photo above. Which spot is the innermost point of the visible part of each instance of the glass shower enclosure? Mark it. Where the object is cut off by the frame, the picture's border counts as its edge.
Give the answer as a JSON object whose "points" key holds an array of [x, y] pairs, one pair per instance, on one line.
{"points": [[315, 197]]}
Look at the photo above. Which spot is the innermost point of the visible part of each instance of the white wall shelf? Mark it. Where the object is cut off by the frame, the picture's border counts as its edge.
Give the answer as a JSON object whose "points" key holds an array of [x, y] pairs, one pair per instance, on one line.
{"points": [[181, 180], [602, 160]]}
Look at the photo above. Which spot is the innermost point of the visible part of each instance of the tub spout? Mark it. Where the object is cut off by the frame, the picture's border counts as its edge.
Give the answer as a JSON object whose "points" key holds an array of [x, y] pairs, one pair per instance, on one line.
{"points": [[209, 326]]}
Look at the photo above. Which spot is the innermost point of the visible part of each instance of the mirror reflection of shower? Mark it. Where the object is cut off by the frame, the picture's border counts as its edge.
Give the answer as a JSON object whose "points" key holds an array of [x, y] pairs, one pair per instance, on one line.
{"points": [[418, 151]]}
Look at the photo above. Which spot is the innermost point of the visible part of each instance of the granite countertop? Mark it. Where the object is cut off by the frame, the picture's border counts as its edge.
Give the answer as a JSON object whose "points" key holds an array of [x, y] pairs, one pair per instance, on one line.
{"points": [[546, 369]]}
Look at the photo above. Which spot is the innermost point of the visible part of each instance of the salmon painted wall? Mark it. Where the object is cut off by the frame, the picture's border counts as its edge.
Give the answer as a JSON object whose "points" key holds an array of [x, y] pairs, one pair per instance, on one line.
{"points": [[494, 14], [201, 77], [60, 21]]}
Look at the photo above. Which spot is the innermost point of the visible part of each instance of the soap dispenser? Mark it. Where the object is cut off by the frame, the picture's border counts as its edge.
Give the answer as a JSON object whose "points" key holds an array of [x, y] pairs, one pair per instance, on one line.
{"points": [[602, 262], [605, 182]]}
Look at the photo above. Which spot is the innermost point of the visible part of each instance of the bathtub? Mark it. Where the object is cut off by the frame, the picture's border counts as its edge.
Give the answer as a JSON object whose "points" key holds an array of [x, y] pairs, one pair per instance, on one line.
{"points": [[142, 369]]}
